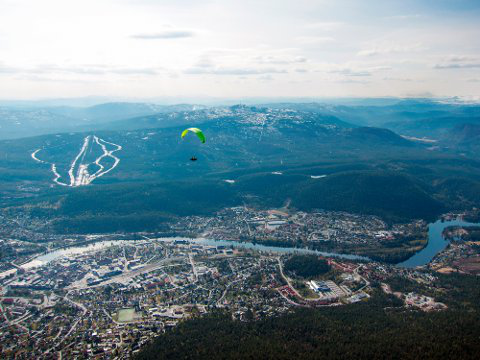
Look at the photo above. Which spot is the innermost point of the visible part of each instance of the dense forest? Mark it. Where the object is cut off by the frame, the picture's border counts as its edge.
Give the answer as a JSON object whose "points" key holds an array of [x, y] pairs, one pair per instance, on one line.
{"points": [[394, 196], [308, 157], [306, 265], [378, 329]]}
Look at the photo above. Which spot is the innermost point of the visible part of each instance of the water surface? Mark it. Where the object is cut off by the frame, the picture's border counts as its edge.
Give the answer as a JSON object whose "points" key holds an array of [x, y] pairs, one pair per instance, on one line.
{"points": [[436, 242]]}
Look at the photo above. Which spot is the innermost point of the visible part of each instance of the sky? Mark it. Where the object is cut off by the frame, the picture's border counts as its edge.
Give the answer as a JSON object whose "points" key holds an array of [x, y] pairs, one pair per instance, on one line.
{"points": [[231, 48]]}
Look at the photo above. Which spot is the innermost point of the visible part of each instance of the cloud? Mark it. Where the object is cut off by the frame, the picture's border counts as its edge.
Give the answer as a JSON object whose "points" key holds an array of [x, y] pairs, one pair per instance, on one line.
{"points": [[473, 80], [48, 69], [246, 61], [369, 52], [325, 25], [266, 77], [315, 39], [167, 34], [459, 62], [457, 65], [397, 79], [351, 81], [379, 68], [404, 17], [134, 71], [270, 59], [49, 79], [233, 71], [461, 58], [204, 62], [300, 59], [351, 72], [7, 69], [79, 69], [96, 70], [391, 49]]}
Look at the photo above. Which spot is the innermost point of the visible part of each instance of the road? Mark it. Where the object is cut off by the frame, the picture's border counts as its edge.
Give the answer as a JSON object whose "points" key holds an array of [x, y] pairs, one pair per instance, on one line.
{"points": [[219, 301], [367, 283], [79, 305], [194, 269]]}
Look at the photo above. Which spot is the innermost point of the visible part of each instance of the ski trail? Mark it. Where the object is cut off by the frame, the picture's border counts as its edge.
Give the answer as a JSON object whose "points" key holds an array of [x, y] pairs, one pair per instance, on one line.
{"points": [[34, 157], [52, 167], [78, 171], [105, 154], [57, 176], [82, 172], [74, 162]]}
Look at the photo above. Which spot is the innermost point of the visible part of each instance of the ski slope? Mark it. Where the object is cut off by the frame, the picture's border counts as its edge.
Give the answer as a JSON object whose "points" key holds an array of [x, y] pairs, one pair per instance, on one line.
{"points": [[82, 172]]}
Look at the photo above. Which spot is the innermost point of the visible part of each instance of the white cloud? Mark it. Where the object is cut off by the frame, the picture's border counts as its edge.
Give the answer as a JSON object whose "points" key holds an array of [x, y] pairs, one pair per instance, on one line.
{"points": [[404, 17], [124, 47], [351, 72], [166, 34], [387, 78], [379, 68], [326, 25], [266, 77], [351, 81], [93, 70], [233, 71], [457, 65], [391, 49], [459, 62], [310, 40], [204, 62], [461, 58], [7, 69], [279, 60]]}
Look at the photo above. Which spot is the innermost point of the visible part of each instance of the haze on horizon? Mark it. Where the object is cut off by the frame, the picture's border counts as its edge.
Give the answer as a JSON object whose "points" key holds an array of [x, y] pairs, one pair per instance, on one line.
{"points": [[273, 48]]}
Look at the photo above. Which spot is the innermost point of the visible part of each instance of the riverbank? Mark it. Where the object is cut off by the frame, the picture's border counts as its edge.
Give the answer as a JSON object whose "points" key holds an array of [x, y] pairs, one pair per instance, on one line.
{"points": [[436, 242], [423, 252]]}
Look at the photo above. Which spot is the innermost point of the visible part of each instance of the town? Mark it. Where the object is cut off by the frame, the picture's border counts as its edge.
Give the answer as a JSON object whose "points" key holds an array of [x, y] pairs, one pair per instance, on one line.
{"points": [[108, 295], [330, 231]]}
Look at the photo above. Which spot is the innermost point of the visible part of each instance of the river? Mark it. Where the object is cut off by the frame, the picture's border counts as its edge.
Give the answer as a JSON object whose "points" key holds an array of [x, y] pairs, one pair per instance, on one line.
{"points": [[276, 249], [72, 250], [436, 243]]}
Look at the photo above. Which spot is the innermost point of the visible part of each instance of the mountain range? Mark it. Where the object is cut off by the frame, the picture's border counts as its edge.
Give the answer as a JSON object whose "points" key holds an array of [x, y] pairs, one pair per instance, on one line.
{"points": [[310, 156]]}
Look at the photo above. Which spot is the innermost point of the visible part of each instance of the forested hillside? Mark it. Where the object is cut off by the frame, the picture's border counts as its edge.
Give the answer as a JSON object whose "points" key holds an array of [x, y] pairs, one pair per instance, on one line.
{"points": [[378, 329]]}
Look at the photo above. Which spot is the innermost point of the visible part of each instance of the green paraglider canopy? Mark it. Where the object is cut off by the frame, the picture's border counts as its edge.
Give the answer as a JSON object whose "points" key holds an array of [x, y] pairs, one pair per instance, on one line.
{"points": [[196, 131]]}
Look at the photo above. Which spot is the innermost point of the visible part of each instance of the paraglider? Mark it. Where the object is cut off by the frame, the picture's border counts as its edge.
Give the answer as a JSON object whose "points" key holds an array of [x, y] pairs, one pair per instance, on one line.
{"points": [[199, 134], [196, 131]]}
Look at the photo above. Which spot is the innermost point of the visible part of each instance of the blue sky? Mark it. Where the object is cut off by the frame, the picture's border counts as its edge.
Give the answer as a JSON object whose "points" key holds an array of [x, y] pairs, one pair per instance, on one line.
{"points": [[315, 48]]}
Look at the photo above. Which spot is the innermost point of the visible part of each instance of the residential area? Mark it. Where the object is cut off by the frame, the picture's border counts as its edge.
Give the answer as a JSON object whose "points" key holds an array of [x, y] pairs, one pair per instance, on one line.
{"points": [[109, 295]]}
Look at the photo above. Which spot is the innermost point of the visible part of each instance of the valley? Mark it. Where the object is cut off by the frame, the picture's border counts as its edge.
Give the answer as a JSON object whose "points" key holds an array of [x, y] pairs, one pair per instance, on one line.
{"points": [[110, 235]]}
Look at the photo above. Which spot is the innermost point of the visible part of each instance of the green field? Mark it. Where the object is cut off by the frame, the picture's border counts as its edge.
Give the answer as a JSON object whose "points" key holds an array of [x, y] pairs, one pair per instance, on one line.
{"points": [[126, 315]]}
